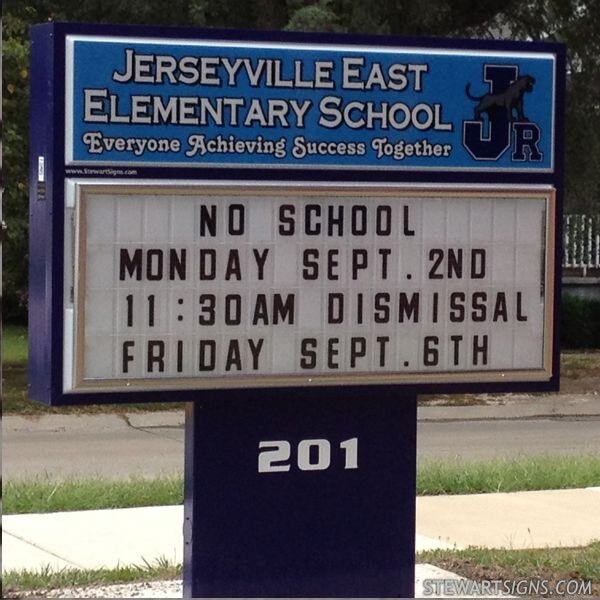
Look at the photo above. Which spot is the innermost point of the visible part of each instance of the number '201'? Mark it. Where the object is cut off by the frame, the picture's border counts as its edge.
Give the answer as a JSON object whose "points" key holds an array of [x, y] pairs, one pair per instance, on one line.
{"points": [[311, 455]]}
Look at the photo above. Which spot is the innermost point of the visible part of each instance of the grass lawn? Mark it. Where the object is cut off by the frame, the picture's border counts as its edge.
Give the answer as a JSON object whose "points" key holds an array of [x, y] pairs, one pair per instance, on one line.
{"points": [[15, 400], [41, 494], [13, 582], [551, 565], [436, 477], [14, 345]]}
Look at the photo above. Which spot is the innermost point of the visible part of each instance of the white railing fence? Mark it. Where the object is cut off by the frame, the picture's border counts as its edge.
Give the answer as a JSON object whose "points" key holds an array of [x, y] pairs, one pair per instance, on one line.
{"points": [[581, 242]]}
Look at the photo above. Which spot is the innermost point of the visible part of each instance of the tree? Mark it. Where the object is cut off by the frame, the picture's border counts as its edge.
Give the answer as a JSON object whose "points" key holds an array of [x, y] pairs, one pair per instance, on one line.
{"points": [[15, 164], [574, 22]]}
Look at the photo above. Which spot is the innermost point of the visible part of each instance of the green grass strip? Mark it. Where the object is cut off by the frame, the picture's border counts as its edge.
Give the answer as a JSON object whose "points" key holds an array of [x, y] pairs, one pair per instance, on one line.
{"points": [[43, 495], [435, 477], [14, 344], [48, 578], [15, 400], [582, 562]]}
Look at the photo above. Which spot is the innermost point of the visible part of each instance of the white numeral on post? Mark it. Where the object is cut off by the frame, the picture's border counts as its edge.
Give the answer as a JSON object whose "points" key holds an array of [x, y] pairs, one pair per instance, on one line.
{"points": [[350, 448], [314, 455], [274, 452], [311, 455]]}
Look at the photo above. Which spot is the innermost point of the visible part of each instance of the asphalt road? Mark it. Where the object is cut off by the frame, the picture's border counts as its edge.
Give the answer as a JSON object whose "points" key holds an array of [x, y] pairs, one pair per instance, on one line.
{"points": [[152, 443], [474, 440]]}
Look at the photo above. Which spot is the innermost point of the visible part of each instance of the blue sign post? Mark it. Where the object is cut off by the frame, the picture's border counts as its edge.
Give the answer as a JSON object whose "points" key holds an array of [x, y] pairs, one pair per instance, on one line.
{"points": [[295, 234], [297, 497]]}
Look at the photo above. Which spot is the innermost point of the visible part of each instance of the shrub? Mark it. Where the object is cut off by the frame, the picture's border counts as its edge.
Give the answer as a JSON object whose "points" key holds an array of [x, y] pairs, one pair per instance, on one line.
{"points": [[580, 322]]}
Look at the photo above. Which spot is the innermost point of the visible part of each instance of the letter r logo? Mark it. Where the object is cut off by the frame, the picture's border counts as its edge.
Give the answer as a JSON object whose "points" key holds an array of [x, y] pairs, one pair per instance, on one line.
{"points": [[527, 136]]}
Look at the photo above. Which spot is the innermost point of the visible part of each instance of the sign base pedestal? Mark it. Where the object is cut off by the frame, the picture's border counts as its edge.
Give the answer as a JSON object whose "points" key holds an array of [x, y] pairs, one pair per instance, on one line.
{"points": [[297, 497]]}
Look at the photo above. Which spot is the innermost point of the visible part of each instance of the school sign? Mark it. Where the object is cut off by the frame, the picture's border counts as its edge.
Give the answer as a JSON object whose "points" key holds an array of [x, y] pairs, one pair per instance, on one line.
{"points": [[294, 234], [236, 210]]}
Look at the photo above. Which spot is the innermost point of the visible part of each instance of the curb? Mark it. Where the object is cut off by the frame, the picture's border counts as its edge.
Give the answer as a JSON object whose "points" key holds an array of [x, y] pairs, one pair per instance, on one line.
{"points": [[559, 406], [507, 407]]}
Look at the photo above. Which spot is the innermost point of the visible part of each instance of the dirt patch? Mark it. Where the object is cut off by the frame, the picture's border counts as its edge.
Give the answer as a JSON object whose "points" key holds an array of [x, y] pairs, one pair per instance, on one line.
{"points": [[580, 365], [584, 385], [544, 583], [568, 385]]}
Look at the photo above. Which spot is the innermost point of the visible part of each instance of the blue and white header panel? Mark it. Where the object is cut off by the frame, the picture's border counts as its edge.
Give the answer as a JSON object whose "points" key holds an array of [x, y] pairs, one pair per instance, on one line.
{"points": [[248, 104]]}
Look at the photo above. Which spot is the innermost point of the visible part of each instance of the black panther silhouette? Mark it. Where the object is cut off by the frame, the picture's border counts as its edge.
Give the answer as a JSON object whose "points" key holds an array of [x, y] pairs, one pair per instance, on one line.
{"points": [[508, 100]]}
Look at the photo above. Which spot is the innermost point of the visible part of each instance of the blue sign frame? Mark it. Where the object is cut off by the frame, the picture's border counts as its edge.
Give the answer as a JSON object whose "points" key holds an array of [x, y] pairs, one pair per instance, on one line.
{"points": [[469, 127]]}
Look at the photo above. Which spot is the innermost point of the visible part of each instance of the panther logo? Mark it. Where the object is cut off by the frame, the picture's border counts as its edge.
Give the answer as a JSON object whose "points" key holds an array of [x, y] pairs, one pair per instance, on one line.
{"points": [[509, 100]]}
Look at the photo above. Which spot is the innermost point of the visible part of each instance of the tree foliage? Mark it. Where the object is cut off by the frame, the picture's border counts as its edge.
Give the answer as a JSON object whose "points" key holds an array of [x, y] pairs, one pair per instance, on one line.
{"points": [[15, 72], [574, 22]]}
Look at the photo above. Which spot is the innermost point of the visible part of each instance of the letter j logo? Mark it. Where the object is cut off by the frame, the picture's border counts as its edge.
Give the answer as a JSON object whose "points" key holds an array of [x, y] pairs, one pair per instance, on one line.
{"points": [[499, 115]]}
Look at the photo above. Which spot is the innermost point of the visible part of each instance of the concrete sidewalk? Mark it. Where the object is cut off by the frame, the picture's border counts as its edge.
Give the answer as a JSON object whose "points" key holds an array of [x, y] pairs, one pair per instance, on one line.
{"points": [[138, 536], [514, 520], [107, 538]]}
